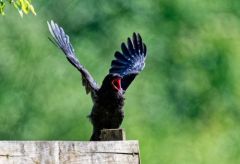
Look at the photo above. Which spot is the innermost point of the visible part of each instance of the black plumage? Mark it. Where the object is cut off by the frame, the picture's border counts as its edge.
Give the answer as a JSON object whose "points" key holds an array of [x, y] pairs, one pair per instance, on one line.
{"points": [[108, 100]]}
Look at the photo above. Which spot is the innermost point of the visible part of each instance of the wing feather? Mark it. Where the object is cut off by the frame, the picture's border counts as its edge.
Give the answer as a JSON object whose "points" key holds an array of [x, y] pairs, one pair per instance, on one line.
{"points": [[131, 61], [62, 41], [120, 57]]}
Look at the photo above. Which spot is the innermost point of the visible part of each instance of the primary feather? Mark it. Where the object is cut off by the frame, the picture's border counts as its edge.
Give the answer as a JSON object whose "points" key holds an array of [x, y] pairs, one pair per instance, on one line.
{"points": [[131, 61], [62, 41]]}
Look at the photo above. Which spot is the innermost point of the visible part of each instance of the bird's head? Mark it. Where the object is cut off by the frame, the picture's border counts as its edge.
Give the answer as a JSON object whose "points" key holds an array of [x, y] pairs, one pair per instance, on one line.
{"points": [[113, 82]]}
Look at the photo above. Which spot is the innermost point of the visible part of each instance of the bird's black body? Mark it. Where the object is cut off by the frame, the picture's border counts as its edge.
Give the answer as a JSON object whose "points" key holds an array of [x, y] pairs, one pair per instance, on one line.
{"points": [[107, 112], [108, 100]]}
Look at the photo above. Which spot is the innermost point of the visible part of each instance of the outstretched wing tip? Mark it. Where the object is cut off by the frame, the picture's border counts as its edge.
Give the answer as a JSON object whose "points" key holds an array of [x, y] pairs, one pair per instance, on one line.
{"points": [[136, 34], [61, 39], [131, 60]]}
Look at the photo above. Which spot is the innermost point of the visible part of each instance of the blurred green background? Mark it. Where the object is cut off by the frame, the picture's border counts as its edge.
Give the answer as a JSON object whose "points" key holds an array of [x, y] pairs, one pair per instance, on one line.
{"points": [[183, 108]]}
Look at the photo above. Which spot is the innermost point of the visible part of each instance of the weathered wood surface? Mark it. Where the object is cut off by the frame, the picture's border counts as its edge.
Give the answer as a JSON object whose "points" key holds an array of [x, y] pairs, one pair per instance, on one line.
{"points": [[112, 135], [69, 152]]}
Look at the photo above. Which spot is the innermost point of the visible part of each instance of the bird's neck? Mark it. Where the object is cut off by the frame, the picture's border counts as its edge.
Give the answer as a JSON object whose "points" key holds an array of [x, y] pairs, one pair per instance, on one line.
{"points": [[110, 95]]}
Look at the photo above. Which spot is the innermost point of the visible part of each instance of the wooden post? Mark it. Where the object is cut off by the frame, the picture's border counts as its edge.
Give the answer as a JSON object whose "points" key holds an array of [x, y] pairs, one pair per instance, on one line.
{"points": [[112, 135], [67, 152]]}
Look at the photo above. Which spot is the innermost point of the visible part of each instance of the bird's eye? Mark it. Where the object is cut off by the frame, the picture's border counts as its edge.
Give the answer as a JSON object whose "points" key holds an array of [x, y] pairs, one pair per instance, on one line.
{"points": [[116, 83]]}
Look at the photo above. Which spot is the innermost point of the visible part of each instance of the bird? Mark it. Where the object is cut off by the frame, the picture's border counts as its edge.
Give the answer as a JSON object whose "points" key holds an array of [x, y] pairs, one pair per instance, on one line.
{"points": [[108, 99]]}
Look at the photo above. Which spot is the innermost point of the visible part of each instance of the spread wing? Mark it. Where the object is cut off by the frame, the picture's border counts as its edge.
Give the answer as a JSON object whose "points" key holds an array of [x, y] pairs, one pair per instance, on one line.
{"points": [[61, 40], [131, 61]]}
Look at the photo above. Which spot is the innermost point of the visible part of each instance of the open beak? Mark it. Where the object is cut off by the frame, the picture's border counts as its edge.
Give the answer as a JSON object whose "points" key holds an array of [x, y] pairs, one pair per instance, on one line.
{"points": [[116, 83]]}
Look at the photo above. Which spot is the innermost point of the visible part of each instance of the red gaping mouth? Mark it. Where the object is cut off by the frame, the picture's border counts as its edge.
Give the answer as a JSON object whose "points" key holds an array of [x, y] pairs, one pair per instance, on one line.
{"points": [[116, 83]]}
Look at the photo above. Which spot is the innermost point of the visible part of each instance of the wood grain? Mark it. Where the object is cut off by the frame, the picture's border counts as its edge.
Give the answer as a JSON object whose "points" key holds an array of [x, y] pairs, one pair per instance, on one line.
{"points": [[69, 152]]}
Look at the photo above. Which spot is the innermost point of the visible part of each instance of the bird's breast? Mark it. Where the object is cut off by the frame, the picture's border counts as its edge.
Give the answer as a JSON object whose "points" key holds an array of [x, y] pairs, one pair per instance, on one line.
{"points": [[109, 103]]}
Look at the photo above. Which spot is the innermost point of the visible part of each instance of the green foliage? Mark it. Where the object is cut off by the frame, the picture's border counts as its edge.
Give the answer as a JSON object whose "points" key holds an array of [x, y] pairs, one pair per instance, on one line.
{"points": [[2, 6], [23, 6], [184, 106]]}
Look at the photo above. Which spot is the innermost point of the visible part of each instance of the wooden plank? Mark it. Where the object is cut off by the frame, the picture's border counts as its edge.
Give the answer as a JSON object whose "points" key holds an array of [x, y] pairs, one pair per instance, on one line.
{"points": [[112, 135], [61, 152]]}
